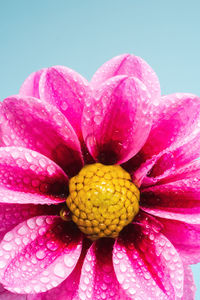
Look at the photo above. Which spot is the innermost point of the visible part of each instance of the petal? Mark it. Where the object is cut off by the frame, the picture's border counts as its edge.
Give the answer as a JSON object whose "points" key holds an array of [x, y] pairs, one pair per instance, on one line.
{"points": [[6, 295], [174, 119], [176, 196], [29, 123], [30, 87], [38, 254], [9, 196], [189, 284], [13, 214], [29, 177], [116, 125], [147, 221], [185, 237], [68, 289], [97, 275], [130, 65], [147, 265], [67, 90], [175, 134], [187, 171]]}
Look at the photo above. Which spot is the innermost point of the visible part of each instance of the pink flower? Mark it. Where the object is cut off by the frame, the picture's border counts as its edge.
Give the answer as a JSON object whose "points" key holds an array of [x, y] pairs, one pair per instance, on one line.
{"points": [[58, 123]]}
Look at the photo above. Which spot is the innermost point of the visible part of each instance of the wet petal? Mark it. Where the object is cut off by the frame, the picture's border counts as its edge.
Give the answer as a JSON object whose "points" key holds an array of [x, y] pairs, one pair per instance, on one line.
{"points": [[13, 214], [175, 134], [147, 221], [6, 295], [175, 118], [30, 86], [97, 276], [27, 176], [116, 125], [167, 166], [189, 285], [176, 196], [147, 265], [67, 90], [38, 254], [29, 123], [130, 65], [68, 289], [185, 237]]}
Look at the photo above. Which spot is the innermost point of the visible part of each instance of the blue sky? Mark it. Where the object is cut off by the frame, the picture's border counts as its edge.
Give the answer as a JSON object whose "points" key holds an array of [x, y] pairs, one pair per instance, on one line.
{"points": [[84, 34]]}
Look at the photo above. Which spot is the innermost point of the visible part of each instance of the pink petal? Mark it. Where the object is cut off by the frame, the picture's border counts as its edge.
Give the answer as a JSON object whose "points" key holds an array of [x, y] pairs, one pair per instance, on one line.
{"points": [[97, 276], [30, 87], [116, 125], [130, 65], [187, 216], [175, 134], [9, 196], [189, 285], [165, 163], [13, 214], [185, 237], [176, 196], [38, 254], [29, 177], [67, 90], [6, 295], [189, 170], [147, 265], [68, 289], [173, 120], [147, 221], [29, 123]]}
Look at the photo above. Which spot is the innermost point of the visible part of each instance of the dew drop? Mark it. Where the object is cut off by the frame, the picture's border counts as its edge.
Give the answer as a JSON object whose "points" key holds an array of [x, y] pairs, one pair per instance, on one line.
{"points": [[59, 270], [44, 279], [64, 106], [23, 230], [8, 237], [132, 291], [69, 262], [7, 246], [87, 267], [52, 246], [40, 254], [123, 267], [147, 276], [2, 264]]}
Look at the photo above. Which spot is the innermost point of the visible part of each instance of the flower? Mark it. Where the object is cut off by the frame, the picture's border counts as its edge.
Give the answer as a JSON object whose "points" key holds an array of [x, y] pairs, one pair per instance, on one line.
{"points": [[57, 124]]}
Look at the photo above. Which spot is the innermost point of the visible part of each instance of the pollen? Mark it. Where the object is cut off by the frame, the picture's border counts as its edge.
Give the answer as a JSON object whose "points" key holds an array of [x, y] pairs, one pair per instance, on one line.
{"points": [[102, 200]]}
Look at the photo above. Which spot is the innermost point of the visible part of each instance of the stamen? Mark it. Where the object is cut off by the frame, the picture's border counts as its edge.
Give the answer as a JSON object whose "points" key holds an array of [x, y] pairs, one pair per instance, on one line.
{"points": [[102, 200]]}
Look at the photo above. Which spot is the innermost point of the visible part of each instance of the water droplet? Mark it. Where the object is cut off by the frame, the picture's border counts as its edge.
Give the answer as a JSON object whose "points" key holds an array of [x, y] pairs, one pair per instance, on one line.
{"points": [[44, 279], [8, 237], [7, 246], [2, 264], [87, 267], [132, 291], [59, 270], [64, 105], [40, 254], [51, 245], [147, 276], [123, 267], [22, 230], [69, 261]]}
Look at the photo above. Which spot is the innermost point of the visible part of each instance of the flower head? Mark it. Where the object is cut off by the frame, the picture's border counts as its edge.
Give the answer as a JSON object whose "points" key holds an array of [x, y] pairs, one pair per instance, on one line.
{"points": [[99, 186]]}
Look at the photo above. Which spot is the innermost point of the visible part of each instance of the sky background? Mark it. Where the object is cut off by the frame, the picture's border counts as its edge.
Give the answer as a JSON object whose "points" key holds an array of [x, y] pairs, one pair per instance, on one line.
{"points": [[84, 34]]}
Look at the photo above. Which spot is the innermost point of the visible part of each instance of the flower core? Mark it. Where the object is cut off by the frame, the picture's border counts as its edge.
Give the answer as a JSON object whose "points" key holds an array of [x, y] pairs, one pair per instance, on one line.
{"points": [[102, 200]]}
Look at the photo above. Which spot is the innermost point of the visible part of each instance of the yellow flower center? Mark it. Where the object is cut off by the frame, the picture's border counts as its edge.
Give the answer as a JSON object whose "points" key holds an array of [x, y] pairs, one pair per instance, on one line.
{"points": [[102, 200]]}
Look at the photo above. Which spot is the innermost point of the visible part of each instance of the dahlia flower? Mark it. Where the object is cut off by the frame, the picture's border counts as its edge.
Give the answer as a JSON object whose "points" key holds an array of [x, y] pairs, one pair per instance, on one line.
{"points": [[99, 186]]}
